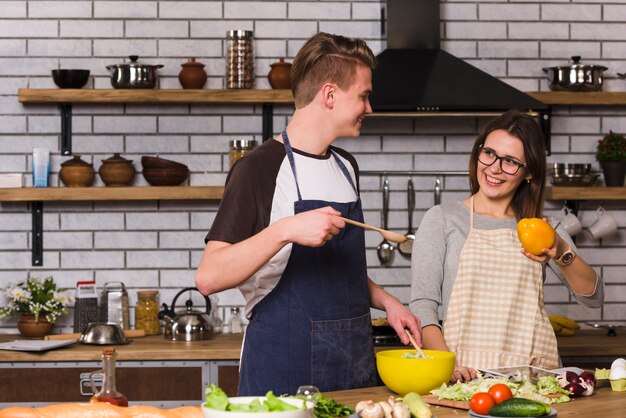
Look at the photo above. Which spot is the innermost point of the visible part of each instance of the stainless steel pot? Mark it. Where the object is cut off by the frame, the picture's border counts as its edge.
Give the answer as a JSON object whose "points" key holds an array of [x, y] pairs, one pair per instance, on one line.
{"points": [[576, 76], [133, 75]]}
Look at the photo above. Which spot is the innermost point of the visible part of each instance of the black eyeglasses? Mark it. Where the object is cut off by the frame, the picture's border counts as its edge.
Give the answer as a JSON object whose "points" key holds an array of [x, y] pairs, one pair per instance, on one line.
{"points": [[487, 156]]}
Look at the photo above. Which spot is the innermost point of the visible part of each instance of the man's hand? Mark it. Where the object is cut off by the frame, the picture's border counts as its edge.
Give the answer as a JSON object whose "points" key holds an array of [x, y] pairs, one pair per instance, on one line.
{"points": [[314, 227]]}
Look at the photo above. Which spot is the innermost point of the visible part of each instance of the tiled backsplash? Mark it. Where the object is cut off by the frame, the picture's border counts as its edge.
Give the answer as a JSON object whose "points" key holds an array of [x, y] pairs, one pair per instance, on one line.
{"points": [[157, 245]]}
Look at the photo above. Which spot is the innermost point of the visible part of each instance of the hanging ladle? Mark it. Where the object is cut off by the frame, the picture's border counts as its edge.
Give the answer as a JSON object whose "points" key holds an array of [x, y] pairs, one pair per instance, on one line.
{"points": [[406, 247], [385, 248]]}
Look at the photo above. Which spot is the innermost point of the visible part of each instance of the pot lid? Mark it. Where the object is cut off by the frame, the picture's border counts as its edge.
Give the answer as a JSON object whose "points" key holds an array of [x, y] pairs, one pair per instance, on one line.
{"points": [[117, 158], [576, 64], [75, 162], [191, 62], [134, 64]]}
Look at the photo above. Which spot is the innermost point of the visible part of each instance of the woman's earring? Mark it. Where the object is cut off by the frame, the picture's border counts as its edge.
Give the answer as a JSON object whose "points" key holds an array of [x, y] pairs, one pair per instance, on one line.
{"points": [[528, 180]]}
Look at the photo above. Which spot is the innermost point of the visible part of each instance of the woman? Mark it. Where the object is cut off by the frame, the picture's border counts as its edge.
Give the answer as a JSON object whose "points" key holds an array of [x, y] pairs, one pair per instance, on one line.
{"points": [[468, 265]]}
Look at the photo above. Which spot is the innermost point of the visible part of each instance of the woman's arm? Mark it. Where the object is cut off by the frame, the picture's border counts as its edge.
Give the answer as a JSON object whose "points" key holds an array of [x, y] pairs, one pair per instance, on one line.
{"points": [[578, 276]]}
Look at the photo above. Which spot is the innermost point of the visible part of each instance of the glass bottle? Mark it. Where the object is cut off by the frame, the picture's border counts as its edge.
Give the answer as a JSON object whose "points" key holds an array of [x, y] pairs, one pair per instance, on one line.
{"points": [[147, 312], [236, 324], [239, 148], [107, 393]]}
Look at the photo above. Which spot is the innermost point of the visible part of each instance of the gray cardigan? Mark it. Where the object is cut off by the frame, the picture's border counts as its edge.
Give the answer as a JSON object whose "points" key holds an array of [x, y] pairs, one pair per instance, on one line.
{"points": [[435, 259]]}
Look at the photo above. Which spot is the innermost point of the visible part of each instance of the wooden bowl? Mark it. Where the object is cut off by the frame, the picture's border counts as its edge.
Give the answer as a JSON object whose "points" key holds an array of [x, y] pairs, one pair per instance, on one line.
{"points": [[156, 162], [165, 176]]}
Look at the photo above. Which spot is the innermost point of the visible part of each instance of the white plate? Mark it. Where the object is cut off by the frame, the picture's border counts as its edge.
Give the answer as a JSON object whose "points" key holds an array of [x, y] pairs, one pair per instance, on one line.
{"points": [[475, 415], [35, 345]]}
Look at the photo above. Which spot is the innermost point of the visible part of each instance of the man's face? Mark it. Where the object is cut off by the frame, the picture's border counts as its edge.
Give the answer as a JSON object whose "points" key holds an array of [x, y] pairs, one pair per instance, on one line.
{"points": [[352, 104]]}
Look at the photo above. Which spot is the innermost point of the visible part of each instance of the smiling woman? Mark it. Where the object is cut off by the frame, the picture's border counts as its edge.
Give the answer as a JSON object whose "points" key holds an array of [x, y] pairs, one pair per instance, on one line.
{"points": [[468, 264]]}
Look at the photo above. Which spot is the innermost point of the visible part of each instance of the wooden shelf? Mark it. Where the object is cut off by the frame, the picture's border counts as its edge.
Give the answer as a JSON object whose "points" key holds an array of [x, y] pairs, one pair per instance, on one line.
{"points": [[153, 96], [47, 194], [586, 193], [598, 98], [260, 96]]}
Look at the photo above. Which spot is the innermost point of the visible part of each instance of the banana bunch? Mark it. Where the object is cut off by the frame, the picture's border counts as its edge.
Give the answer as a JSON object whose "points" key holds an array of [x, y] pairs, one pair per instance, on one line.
{"points": [[563, 326]]}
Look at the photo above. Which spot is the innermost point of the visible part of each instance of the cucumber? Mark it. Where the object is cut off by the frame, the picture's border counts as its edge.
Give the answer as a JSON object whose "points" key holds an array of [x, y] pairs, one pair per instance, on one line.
{"points": [[519, 407]]}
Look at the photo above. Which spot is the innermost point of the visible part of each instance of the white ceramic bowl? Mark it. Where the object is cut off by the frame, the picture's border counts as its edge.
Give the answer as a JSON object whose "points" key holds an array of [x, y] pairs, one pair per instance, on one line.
{"points": [[300, 413]]}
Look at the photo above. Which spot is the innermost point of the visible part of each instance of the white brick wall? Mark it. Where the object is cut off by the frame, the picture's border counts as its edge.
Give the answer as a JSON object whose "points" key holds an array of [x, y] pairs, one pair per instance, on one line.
{"points": [[158, 244]]}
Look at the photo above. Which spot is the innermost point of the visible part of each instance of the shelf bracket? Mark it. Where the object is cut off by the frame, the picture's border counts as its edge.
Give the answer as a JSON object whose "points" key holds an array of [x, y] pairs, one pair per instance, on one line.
{"points": [[66, 128], [37, 233], [268, 121], [545, 118]]}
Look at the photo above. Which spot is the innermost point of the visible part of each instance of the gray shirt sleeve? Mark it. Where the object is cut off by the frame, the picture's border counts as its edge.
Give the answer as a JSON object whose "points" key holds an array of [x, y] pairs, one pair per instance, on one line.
{"points": [[435, 258]]}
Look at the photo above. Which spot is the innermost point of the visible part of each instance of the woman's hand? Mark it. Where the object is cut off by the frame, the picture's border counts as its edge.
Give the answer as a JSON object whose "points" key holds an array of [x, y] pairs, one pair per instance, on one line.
{"points": [[463, 374], [548, 253]]}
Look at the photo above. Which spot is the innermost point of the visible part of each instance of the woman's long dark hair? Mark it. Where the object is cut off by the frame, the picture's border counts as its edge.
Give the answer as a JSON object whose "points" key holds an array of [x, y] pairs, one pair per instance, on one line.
{"points": [[529, 197]]}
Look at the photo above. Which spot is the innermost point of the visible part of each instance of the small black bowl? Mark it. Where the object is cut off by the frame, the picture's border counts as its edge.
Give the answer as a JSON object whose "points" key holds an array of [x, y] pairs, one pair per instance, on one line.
{"points": [[70, 79]]}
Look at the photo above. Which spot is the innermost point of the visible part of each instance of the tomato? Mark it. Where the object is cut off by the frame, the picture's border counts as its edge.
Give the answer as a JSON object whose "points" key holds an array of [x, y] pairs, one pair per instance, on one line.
{"points": [[535, 234], [481, 403], [500, 392]]}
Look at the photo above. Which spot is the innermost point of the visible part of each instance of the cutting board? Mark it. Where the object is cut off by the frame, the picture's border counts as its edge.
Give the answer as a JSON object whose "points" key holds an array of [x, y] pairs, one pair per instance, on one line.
{"points": [[434, 400], [129, 333]]}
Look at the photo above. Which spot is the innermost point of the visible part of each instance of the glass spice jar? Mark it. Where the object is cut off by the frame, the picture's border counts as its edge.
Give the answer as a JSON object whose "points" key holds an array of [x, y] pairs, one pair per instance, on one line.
{"points": [[239, 59], [239, 148], [147, 312]]}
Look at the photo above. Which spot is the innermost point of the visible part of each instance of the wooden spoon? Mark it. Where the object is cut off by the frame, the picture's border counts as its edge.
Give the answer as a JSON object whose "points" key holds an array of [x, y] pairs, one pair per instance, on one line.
{"points": [[420, 353], [391, 236]]}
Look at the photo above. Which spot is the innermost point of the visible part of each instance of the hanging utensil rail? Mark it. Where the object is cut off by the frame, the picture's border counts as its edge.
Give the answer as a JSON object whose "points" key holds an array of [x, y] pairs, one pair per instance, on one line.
{"points": [[412, 173]]}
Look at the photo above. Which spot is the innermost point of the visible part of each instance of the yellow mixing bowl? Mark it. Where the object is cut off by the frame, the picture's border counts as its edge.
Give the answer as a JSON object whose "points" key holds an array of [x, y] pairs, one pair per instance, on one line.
{"points": [[421, 375]]}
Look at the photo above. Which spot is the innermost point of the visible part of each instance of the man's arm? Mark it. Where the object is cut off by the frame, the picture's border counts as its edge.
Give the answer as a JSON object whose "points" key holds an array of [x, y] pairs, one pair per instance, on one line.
{"points": [[398, 315], [224, 265]]}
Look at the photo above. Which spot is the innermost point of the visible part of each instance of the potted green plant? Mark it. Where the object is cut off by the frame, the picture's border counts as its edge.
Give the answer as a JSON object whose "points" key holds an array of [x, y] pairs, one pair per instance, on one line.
{"points": [[39, 303], [611, 154]]}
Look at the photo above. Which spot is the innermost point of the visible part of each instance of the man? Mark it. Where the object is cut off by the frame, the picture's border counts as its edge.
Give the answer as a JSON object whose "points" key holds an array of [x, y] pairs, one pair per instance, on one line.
{"points": [[279, 237]]}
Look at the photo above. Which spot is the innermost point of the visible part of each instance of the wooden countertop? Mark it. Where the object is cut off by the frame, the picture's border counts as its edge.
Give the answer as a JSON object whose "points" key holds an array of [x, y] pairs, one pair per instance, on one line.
{"points": [[222, 347], [603, 403], [586, 343], [593, 343]]}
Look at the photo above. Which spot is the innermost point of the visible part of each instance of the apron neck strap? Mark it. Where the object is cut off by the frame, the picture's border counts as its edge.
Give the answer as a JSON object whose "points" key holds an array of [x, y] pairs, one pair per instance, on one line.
{"points": [[472, 212], [292, 164]]}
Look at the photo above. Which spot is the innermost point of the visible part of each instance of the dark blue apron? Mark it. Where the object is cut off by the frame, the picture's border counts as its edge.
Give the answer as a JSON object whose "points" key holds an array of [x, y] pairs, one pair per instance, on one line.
{"points": [[314, 327]]}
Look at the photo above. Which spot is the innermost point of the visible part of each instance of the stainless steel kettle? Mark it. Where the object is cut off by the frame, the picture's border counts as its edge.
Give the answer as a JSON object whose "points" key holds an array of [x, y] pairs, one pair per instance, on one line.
{"points": [[187, 325]]}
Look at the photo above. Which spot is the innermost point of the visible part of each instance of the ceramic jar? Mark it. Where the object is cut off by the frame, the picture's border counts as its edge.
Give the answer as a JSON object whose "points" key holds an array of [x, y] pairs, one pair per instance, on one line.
{"points": [[280, 75], [32, 330], [76, 172], [117, 171], [192, 76]]}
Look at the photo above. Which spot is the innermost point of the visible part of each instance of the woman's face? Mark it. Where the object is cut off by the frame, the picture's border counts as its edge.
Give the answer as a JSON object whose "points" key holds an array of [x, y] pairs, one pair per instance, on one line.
{"points": [[508, 151]]}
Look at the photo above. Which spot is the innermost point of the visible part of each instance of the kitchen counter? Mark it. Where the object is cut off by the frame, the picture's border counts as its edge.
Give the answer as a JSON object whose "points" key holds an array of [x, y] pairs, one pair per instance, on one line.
{"points": [[222, 347], [584, 346], [603, 403]]}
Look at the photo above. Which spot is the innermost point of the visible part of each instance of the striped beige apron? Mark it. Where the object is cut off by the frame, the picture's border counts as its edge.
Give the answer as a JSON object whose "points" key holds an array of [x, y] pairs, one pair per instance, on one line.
{"points": [[496, 316]]}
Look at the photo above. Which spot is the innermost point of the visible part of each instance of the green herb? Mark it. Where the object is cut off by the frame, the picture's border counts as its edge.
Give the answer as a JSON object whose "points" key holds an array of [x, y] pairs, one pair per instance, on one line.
{"points": [[329, 408]]}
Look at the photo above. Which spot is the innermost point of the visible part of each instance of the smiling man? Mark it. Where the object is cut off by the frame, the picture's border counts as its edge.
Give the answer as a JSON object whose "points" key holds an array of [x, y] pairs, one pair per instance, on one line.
{"points": [[278, 236]]}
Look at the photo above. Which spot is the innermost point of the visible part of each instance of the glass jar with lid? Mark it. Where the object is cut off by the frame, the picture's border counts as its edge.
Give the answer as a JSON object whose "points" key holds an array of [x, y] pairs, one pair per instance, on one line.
{"points": [[239, 148], [239, 59], [147, 312]]}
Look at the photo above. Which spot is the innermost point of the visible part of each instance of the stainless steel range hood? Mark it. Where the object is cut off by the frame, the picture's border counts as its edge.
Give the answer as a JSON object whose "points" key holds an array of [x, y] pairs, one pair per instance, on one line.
{"points": [[415, 75]]}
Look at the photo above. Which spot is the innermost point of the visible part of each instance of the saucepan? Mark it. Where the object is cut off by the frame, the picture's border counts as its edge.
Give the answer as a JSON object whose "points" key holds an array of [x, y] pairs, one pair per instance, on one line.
{"points": [[575, 76], [134, 75]]}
